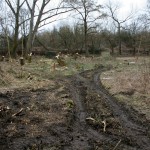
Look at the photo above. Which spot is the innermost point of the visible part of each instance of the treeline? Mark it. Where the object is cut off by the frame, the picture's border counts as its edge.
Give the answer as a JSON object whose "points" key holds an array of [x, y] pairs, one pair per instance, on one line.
{"points": [[71, 39], [97, 28]]}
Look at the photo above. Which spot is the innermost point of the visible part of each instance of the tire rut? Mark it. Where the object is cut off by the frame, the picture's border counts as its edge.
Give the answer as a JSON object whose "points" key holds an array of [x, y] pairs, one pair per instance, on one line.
{"points": [[80, 125], [136, 132]]}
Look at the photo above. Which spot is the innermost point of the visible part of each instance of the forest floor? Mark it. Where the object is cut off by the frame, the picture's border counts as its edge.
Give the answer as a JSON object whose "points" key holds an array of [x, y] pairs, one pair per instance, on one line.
{"points": [[93, 108]]}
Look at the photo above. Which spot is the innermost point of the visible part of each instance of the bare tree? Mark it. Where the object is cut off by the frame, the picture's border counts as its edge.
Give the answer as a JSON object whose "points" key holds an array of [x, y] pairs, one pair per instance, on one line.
{"points": [[39, 15], [113, 13], [85, 9], [16, 13], [6, 32], [4, 19]]}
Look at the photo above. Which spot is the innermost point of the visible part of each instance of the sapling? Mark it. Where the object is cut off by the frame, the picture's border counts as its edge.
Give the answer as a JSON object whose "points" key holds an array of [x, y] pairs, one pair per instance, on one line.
{"points": [[3, 58], [29, 58], [22, 62]]}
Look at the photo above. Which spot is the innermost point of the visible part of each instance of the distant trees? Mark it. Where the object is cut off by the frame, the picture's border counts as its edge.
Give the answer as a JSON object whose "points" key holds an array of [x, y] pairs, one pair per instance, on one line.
{"points": [[22, 21], [133, 36], [88, 12], [78, 37], [110, 39], [66, 37], [24, 29]]}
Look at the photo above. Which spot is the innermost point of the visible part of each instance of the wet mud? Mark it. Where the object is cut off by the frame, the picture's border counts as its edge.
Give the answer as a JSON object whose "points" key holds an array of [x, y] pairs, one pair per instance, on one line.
{"points": [[77, 113]]}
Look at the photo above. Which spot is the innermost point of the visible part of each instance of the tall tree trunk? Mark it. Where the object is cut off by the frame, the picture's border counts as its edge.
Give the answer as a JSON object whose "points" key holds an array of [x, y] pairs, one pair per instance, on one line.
{"points": [[134, 47], [8, 46], [29, 44], [85, 39], [15, 42], [112, 50], [33, 29], [30, 36], [119, 39]]}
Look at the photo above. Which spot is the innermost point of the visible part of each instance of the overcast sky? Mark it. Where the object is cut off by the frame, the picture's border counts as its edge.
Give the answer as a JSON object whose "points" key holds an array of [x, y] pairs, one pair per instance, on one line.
{"points": [[125, 8], [139, 4], [136, 4]]}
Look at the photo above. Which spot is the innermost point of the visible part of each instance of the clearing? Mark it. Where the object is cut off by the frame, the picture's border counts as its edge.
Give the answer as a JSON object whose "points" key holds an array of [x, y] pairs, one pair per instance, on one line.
{"points": [[86, 105]]}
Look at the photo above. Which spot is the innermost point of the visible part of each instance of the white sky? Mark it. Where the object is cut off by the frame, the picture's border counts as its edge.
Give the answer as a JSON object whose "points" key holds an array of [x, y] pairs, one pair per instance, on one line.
{"points": [[125, 8], [127, 4], [137, 4]]}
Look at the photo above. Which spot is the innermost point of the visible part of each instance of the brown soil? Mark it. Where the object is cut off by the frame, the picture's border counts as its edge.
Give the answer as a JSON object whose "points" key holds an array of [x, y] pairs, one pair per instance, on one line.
{"points": [[74, 113]]}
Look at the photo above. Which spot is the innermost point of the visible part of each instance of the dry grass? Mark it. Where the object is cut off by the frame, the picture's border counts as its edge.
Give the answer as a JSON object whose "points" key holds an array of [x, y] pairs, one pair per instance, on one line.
{"points": [[41, 71], [128, 76], [129, 81]]}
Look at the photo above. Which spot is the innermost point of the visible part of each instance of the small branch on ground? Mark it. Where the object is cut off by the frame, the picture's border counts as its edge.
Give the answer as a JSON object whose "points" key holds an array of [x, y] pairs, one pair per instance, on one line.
{"points": [[18, 112], [117, 145], [104, 122]]}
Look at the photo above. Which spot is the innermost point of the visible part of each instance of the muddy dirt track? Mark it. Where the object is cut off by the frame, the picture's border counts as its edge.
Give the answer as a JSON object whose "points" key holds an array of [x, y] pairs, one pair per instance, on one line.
{"points": [[48, 119]]}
